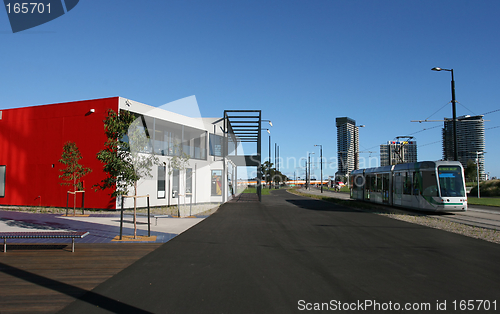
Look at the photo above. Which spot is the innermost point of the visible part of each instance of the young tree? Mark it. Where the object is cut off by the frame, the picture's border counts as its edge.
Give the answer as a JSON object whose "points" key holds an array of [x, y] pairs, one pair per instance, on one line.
{"points": [[73, 172], [470, 171], [116, 154], [178, 162], [268, 172], [127, 155]]}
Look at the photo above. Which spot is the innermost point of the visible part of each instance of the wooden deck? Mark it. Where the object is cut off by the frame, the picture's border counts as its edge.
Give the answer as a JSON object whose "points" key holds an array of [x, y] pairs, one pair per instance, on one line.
{"points": [[46, 278]]}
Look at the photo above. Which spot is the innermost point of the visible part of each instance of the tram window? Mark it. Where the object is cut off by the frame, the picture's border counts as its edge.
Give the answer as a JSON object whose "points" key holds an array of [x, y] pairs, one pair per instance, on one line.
{"points": [[359, 181], [397, 183], [373, 183], [417, 188], [451, 182], [386, 182], [429, 184], [379, 183], [407, 183]]}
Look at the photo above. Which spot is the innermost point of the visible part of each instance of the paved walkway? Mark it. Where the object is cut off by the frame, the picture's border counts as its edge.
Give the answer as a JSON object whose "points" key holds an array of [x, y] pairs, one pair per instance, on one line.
{"points": [[291, 253], [102, 228]]}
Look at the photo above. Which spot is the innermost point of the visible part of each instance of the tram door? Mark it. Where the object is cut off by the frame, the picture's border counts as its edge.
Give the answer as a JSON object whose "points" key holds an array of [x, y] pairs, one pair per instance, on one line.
{"points": [[406, 199], [417, 189], [398, 188], [385, 188]]}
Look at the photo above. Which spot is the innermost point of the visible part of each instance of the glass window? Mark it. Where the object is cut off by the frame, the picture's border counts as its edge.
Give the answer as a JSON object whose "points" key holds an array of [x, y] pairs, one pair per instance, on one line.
{"points": [[379, 183], [368, 183], [230, 179], [168, 138], [216, 145], [161, 181], [407, 183], [385, 187], [370, 180], [175, 183], [359, 181], [231, 145], [194, 143], [216, 182], [139, 134], [417, 187], [397, 184], [189, 182], [429, 184], [2, 181], [451, 182]]}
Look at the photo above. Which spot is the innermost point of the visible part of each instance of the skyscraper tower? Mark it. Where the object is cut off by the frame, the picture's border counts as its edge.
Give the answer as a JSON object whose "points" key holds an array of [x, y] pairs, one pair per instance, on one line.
{"points": [[470, 140], [347, 146], [398, 151]]}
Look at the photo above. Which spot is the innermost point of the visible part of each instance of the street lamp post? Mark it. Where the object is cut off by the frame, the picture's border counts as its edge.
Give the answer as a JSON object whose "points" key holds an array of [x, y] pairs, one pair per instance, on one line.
{"points": [[321, 163], [309, 156], [269, 131], [306, 173], [269, 164], [477, 170], [454, 106]]}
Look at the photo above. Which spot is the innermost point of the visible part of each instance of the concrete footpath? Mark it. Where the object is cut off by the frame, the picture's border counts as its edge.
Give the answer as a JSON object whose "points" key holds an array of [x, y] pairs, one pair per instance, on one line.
{"points": [[103, 228], [291, 254]]}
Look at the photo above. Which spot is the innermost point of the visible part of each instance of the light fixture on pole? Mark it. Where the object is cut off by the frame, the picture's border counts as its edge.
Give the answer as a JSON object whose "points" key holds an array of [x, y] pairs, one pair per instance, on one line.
{"points": [[454, 105], [270, 123], [321, 163]]}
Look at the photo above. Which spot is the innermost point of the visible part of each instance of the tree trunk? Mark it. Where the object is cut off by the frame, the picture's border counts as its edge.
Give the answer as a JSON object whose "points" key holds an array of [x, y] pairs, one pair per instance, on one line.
{"points": [[135, 210], [74, 196]]}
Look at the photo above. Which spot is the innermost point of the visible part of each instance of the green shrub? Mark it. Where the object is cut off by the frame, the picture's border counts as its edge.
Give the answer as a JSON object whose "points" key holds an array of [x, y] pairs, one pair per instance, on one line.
{"points": [[488, 188]]}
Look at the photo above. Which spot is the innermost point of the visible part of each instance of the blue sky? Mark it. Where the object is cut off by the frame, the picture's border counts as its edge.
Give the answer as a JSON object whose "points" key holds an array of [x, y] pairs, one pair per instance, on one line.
{"points": [[303, 63]]}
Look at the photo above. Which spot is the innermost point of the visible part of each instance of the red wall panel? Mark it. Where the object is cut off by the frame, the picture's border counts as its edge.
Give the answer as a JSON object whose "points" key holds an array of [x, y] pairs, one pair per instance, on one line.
{"points": [[31, 142]]}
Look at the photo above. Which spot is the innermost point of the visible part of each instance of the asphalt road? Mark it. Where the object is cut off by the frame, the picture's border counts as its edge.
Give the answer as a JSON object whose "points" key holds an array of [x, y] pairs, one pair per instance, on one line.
{"points": [[290, 254]]}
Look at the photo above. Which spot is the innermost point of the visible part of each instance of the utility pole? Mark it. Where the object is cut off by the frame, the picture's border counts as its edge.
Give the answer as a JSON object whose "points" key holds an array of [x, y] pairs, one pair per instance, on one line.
{"points": [[309, 169], [269, 166], [321, 162], [454, 106]]}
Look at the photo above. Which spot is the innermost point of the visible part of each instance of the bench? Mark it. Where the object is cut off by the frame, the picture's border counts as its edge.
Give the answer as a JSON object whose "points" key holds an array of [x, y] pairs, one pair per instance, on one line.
{"points": [[42, 235], [156, 216]]}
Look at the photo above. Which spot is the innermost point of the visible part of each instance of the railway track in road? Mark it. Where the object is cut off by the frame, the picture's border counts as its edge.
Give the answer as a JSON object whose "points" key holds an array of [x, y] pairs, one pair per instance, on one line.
{"points": [[477, 217], [482, 223]]}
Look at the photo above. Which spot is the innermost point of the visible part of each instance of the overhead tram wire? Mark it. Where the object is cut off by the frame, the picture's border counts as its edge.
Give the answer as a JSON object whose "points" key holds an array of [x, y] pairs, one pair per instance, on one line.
{"points": [[438, 110], [437, 126], [493, 127], [490, 112], [430, 143], [467, 108]]}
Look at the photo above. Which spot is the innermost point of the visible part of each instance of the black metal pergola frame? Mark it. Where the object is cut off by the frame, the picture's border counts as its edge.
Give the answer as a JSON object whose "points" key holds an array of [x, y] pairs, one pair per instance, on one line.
{"points": [[243, 126]]}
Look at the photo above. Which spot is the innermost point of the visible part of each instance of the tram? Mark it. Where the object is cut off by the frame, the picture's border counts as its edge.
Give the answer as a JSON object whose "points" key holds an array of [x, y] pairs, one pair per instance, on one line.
{"points": [[428, 185]]}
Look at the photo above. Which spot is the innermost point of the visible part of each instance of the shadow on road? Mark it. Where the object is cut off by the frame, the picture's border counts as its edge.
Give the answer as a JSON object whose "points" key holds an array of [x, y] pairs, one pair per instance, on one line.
{"points": [[312, 204]]}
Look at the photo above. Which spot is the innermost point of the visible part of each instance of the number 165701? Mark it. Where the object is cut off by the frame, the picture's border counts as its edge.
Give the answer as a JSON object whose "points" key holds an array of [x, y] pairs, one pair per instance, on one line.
{"points": [[32, 7]]}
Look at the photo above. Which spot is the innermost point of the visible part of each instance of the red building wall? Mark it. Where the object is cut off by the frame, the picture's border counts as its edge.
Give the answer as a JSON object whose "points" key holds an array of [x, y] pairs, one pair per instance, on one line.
{"points": [[31, 143]]}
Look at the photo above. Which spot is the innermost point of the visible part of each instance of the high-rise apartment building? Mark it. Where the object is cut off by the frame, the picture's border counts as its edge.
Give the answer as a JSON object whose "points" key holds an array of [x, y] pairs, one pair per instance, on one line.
{"points": [[347, 146], [398, 152], [470, 140]]}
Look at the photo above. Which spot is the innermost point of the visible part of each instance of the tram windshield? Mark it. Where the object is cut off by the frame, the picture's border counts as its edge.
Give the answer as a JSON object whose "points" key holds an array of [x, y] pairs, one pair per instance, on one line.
{"points": [[451, 182]]}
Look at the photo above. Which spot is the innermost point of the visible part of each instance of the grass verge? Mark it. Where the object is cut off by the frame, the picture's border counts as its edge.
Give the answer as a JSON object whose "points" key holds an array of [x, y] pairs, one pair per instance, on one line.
{"points": [[486, 201], [254, 190]]}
